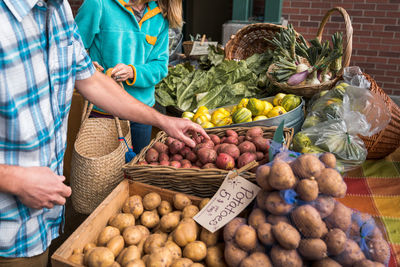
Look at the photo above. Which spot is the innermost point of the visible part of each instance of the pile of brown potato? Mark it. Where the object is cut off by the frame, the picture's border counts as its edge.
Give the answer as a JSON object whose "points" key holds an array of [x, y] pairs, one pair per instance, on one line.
{"points": [[150, 231], [313, 233], [226, 152]]}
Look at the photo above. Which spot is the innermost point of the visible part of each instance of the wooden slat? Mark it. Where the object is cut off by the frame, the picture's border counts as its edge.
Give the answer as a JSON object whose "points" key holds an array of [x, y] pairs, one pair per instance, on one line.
{"points": [[89, 230]]}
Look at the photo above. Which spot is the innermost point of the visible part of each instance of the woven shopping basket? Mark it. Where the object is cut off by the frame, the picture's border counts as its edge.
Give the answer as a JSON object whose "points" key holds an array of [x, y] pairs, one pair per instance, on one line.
{"points": [[388, 140], [198, 182], [97, 159]]}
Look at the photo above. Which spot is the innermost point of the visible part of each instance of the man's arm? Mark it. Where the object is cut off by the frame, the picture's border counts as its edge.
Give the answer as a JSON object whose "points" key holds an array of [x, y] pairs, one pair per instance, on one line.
{"points": [[43, 188], [105, 93]]}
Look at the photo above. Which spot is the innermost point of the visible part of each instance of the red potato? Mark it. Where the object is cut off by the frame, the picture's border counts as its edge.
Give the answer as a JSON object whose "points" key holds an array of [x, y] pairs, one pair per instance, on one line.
{"points": [[260, 155], [246, 158], [143, 162], [215, 139], [220, 147], [225, 162], [169, 140], [247, 146], [207, 155], [163, 157], [177, 157], [185, 150], [151, 155], [198, 164], [191, 156], [231, 150], [241, 139], [223, 139], [231, 140], [209, 143], [175, 164], [176, 146], [195, 167], [164, 163], [186, 166], [203, 145], [254, 132], [231, 133], [154, 163], [209, 166], [160, 147], [261, 143], [185, 161]]}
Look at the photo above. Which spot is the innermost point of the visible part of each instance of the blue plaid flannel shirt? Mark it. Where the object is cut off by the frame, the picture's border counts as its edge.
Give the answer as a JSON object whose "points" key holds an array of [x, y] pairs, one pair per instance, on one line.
{"points": [[41, 56]]}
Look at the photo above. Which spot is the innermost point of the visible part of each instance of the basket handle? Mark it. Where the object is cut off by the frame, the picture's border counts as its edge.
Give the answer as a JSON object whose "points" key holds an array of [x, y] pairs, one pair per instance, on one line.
{"points": [[349, 34]]}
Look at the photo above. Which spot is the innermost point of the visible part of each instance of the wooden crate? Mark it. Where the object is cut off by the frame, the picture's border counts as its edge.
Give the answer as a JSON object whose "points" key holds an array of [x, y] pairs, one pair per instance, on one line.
{"points": [[89, 230]]}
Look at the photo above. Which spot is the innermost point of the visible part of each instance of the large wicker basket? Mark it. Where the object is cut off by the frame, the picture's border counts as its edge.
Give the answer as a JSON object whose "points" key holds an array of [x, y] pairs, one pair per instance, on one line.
{"points": [[388, 140], [199, 182]]}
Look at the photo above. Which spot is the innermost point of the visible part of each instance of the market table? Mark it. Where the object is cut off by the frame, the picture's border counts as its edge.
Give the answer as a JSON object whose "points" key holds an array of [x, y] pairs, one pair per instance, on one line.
{"points": [[374, 188]]}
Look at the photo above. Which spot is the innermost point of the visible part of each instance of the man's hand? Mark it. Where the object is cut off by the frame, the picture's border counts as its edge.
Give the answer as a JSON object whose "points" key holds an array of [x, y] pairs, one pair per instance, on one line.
{"points": [[182, 129], [39, 187], [122, 72]]}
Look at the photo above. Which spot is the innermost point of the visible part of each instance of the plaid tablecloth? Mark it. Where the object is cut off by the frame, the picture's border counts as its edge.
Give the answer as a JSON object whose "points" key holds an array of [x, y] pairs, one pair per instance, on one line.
{"points": [[375, 189]]}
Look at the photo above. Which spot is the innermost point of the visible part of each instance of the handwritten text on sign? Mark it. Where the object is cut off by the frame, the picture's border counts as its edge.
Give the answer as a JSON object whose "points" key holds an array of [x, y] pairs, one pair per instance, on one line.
{"points": [[200, 49], [232, 197]]}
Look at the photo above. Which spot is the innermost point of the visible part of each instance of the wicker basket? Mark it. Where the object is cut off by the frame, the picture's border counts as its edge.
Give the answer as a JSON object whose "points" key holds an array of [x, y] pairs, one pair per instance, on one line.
{"points": [[97, 160], [198, 182], [388, 140]]}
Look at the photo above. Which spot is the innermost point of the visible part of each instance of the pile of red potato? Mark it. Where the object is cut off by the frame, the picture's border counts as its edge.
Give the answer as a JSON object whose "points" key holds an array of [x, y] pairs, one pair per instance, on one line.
{"points": [[228, 152]]}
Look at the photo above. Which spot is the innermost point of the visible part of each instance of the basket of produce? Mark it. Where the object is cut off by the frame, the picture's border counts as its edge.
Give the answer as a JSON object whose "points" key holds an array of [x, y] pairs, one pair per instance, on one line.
{"points": [[169, 164], [250, 40], [270, 111], [304, 68], [388, 140]]}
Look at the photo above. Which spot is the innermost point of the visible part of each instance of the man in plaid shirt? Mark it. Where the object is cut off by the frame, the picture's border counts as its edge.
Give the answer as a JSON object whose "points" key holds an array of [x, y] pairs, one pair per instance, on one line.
{"points": [[42, 58]]}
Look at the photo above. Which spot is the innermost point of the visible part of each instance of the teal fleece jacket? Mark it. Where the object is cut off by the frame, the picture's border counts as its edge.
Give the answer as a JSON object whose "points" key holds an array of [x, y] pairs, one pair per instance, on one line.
{"points": [[112, 34]]}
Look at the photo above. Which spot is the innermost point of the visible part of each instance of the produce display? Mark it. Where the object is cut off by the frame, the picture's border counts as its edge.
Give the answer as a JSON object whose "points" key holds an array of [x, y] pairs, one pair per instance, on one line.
{"points": [[217, 82], [297, 222], [151, 231], [247, 110], [227, 152], [298, 62]]}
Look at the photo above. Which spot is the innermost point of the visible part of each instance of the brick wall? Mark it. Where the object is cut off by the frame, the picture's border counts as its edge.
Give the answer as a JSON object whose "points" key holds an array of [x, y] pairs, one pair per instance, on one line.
{"points": [[376, 36]]}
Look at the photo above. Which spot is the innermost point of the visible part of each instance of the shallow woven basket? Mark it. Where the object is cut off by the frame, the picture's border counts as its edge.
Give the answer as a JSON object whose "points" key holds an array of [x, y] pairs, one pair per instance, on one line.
{"points": [[97, 160], [388, 140], [198, 182]]}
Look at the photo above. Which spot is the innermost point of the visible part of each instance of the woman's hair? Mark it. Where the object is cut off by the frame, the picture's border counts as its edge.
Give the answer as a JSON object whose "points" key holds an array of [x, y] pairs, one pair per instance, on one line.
{"points": [[171, 10]]}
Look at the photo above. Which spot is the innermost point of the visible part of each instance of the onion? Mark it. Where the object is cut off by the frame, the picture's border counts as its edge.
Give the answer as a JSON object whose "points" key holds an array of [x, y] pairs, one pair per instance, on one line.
{"points": [[297, 78], [301, 67]]}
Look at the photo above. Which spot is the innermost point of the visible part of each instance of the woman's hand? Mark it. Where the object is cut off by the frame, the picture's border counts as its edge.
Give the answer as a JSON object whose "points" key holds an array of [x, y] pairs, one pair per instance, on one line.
{"points": [[97, 66], [122, 72]]}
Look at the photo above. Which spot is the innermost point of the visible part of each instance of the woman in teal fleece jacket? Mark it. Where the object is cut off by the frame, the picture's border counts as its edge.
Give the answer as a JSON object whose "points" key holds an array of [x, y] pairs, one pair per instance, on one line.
{"points": [[131, 38]]}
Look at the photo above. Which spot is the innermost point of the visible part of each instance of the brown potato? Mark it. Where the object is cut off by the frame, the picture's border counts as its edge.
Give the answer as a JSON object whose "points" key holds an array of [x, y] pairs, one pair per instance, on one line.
{"points": [[154, 241], [286, 235], [76, 258], [133, 205], [204, 202], [330, 182], [169, 222], [151, 201], [246, 237], [196, 264], [185, 232], [312, 249], [276, 205], [106, 235], [116, 264], [116, 244], [307, 189], [328, 159], [121, 254], [261, 198], [145, 231], [340, 217], [231, 228], [122, 220], [281, 257], [181, 201], [88, 246], [164, 208], [233, 254], [160, 257], [132, 235], [351, 254], [307, 166], [309, 222], [196, 251], [210, 239], [150, 219], [189, 211], [335, 241], [135, 263], [215, 256], [281, 176], [327, 262], [132, 253], [324, 205], [274, 219], [257, 217], [182, 262], [368, 263], [262, 177], [256, 259], [265, 235], [379, 249], [100, 257], [176, 251]]}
